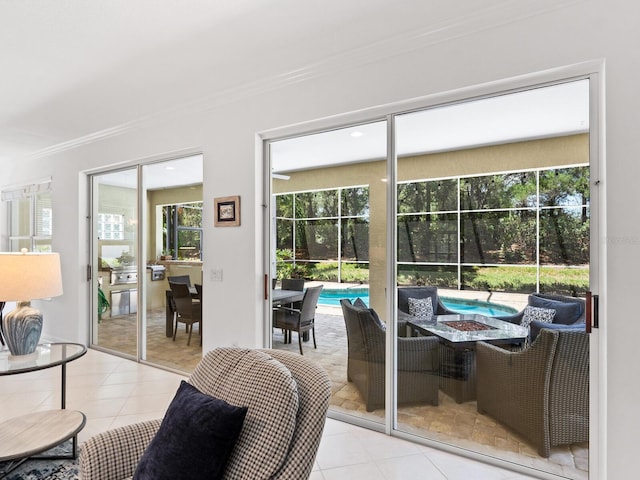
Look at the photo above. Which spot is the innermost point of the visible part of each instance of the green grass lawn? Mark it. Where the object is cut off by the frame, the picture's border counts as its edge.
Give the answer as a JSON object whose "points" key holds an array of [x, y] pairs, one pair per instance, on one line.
{"points": [[556, 279]]}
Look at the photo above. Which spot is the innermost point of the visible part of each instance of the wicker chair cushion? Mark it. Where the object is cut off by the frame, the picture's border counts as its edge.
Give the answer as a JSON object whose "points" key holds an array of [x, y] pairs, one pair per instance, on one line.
{"points": [[246, 377], [195, 440], [538, 314], [420, 307], [566, 312], [405, 293]]}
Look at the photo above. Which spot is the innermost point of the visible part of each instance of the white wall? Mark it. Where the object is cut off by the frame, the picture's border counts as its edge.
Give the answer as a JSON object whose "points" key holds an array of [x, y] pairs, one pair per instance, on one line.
{"points": [[496, 48]]}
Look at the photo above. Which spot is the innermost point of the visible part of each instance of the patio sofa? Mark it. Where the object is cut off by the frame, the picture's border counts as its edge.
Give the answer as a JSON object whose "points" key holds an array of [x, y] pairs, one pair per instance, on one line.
{"points": [[569, 315]]}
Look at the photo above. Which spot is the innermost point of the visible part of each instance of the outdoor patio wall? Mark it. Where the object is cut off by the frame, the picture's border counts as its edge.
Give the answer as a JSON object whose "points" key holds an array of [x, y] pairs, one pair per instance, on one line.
{"points": [[487, 46], [567, 150]]}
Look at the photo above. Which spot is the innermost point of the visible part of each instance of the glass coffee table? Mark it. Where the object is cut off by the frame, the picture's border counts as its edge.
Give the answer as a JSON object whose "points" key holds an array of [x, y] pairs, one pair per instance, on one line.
{"points": [[28, 435], [458, 335]]}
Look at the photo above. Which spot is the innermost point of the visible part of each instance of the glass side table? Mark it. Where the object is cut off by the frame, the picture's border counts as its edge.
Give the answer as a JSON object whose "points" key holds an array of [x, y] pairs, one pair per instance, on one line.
{"points": [[28, 435]]}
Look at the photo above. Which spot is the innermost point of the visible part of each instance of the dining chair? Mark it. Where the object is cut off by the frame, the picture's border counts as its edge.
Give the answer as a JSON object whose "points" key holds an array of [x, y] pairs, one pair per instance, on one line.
{"points": [[296, 284], [301, 320], [180, 279], [187, 311], [293, 284]]}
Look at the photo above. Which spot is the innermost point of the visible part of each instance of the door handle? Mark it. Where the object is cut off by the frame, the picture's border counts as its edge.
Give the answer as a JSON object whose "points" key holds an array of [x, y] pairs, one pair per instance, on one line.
{"points": [[592, 316], [266, 286]]}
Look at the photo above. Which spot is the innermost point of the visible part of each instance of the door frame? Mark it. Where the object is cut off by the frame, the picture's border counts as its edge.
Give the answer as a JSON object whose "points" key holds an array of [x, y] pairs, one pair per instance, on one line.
{"points": [[594, 71], [137, 165]]}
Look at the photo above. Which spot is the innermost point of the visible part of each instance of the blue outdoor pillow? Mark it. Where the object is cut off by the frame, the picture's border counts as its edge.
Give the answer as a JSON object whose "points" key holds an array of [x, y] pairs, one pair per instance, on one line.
{"points": [[195, 440]]}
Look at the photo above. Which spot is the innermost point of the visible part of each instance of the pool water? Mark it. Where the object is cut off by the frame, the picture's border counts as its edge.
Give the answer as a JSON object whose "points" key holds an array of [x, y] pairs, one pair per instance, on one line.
{"points": [[332, 296], [477, 306]]}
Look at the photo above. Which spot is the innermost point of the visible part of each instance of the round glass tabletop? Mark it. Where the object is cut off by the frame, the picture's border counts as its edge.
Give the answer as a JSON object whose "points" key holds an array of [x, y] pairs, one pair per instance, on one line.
{"points": [[46, 355]]}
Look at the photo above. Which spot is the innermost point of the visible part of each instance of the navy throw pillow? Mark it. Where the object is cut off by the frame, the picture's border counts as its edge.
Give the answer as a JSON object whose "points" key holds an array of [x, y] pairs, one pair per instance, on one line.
{"points": [[195, 439], [566, 312]]}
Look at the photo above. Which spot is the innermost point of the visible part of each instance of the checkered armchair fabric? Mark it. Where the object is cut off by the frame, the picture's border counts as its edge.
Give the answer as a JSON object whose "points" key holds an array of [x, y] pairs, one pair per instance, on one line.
{"points": [[287, 396]]}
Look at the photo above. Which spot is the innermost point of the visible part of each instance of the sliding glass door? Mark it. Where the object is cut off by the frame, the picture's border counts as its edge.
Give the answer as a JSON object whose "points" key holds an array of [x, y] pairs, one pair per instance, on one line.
{"points": [[470, 238], [146, 228], [329, 229], [493, 219], [115, 226]]}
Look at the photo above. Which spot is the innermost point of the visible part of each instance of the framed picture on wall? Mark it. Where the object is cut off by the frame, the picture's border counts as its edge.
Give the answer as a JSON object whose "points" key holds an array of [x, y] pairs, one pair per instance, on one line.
{"points": [[227, 211]]}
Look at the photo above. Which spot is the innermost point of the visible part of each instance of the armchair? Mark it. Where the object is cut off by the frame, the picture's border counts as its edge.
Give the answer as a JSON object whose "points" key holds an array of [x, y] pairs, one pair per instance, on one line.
{"points": [[405, 293], [541, 392], [287, 399], [418, 360]]}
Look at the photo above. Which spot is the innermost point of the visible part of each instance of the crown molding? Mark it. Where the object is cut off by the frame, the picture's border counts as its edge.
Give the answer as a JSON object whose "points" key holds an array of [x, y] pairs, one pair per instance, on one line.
{"points": [[501, 14]]}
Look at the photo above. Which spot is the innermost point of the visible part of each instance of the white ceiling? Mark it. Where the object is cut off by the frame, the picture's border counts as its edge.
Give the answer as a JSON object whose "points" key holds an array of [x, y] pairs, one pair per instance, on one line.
{"points": [[156, 176], [72, 69]]}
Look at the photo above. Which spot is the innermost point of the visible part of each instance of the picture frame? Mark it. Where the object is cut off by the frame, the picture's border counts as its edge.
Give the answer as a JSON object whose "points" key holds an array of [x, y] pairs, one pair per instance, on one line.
{"points": [[227, 211]]}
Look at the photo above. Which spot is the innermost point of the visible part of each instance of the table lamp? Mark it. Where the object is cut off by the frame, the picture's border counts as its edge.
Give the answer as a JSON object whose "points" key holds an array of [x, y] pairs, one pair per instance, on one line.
{"points": [[24, 277]]}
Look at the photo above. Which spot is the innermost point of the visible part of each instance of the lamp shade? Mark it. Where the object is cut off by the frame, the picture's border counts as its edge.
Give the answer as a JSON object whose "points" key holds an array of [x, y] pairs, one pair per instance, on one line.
{"points": [[28, 276]]}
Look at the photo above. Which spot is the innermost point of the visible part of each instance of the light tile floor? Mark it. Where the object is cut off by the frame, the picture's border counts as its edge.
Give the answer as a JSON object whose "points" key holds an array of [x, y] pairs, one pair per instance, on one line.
{"points": [[112, 391]]}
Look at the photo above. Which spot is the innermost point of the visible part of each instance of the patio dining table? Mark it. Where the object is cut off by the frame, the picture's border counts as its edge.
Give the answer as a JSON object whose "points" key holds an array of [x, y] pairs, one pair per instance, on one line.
{"points": [[280, 296]]}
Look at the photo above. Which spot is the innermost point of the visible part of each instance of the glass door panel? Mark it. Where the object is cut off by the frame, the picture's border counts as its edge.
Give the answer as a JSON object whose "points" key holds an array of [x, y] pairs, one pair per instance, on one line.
{"points": [[134, 258], [493, 206], [173, 230], [115, 237], [329, 228]]}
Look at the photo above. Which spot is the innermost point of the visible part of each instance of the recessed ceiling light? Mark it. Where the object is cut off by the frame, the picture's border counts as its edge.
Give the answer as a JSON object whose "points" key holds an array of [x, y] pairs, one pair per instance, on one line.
{"points": [[280, 177], [357, 134], [169, 167]]}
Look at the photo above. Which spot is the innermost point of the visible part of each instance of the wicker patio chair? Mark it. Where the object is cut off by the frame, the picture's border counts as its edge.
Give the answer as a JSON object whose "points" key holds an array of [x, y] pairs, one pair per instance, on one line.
{"points": [[293, 284], [417, 360], [542, 392], [287, 399]]}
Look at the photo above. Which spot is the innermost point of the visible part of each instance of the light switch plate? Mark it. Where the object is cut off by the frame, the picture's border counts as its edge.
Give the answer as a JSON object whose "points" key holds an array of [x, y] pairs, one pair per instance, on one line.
{"points": [[216, 275]]}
